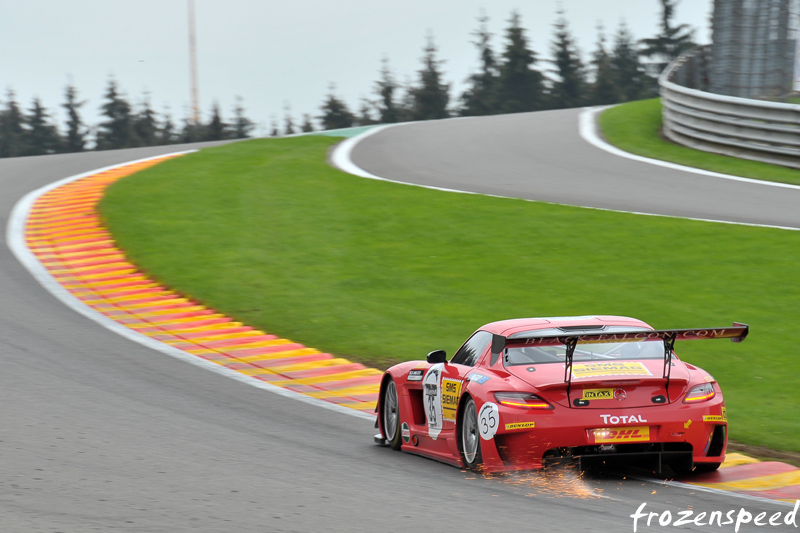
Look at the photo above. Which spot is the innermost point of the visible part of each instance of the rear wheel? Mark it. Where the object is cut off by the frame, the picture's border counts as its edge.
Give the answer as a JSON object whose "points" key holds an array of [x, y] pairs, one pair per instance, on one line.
{"points": [[390, 415], [470, 436]]}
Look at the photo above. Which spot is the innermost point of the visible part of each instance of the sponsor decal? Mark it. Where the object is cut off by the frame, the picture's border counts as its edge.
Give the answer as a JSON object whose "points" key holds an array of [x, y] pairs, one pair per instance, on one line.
{"points": [[640, 336], [480, 379], [609, 368], [597, 394], [714, 418], [520, 425], [725, 413], [631, 434], [488, 420], [622, 419], [433, 399], [451, 392], [416, 374], [405, 432]]}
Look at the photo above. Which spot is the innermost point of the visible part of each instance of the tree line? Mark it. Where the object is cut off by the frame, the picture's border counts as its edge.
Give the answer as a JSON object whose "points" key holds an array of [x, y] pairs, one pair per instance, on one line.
{"points": [[513, 80], [517, 80], [33, 132]]}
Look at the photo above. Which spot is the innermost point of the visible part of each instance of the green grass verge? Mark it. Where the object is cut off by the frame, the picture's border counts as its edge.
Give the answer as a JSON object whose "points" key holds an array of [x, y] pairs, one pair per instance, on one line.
{"points": [[635, 127], [267, 232]]}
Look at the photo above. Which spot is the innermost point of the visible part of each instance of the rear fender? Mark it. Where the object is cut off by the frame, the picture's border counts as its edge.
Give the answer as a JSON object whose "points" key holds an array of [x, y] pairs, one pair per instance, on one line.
{"points": [[489, 453]]}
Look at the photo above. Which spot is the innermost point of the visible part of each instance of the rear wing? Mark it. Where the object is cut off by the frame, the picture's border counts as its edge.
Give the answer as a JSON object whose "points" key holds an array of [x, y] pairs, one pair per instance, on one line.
{"points": [[737, 333]]}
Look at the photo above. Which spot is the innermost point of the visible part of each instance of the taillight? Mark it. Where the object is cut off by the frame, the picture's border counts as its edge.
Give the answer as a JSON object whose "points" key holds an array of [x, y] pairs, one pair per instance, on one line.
{"points": [[523, 400], [700, 393]]}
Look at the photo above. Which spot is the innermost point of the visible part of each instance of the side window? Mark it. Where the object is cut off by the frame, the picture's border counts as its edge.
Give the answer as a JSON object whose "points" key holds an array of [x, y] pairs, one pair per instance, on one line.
{"points": [[472, 350]]}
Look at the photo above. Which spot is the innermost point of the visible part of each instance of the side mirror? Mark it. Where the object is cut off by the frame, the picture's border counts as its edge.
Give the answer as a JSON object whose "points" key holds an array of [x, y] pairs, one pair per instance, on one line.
{"points": [[437, 356]]}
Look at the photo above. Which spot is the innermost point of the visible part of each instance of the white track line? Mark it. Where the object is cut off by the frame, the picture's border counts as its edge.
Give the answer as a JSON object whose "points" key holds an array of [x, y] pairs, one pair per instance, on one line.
{"points": [[342, 160], [587, 127], [15, 236]]}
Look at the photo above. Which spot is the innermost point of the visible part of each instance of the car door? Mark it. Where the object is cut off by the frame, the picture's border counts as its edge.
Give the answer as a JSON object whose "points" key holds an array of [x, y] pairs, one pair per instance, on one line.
{"points": [[456, 373]]}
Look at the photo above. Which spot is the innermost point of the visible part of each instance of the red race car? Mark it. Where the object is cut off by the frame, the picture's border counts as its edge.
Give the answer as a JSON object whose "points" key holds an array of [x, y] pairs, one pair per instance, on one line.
{"points": [[595, 388]]}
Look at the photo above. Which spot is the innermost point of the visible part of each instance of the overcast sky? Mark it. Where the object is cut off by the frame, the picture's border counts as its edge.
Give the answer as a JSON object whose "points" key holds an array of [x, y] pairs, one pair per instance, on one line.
{"points": [[275, 53]]}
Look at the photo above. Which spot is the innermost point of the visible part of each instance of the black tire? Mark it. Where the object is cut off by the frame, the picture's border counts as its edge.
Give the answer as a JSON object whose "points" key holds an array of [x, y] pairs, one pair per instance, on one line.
{"points": [[390, 415], [469, 436]]}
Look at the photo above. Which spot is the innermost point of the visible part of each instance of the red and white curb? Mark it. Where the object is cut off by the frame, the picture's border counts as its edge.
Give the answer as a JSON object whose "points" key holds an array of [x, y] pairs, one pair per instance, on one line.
{"points": [[745, 476], [57, 234]]}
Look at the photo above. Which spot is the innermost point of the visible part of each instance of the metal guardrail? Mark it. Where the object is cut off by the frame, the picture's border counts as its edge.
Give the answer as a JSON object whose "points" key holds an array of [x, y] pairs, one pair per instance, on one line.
{"points": [[739, 127]]}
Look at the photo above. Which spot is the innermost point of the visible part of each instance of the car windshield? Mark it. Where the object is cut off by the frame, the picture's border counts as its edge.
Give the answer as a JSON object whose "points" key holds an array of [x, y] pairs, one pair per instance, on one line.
{"points": [[526, 355]]}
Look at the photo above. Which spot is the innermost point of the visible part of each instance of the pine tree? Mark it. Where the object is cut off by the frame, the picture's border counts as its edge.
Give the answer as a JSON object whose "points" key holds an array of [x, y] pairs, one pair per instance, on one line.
{"points": [[365, 113], [628, 72], [520, 87], [307, 126], [671, 42], [167, 133], [405, 105], [385, 88], [242, 126], [12, 131], [335, 113], [569, 89], [216, 130], [481, 97], [75, 140], [192, 131], [145, 124], [288, 121], [118, 130], [288, 125], [603, 90], [40, 137], [431, 96]]}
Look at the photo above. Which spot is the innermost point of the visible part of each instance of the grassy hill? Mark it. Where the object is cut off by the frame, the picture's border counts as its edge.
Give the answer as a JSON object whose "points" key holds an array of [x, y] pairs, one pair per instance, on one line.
{"points": [[267, 232]]}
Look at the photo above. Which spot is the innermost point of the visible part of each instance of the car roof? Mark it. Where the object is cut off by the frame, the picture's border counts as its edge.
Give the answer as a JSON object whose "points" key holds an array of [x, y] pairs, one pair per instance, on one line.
{"points": [[517, 325]]}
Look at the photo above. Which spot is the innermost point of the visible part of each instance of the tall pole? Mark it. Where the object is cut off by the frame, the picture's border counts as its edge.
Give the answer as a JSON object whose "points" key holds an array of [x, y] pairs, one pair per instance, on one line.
{"points": [[193, 65]]}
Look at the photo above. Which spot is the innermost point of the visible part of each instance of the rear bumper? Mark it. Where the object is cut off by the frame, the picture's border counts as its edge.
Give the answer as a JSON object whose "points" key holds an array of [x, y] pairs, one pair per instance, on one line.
{"points": [[677, 434]]}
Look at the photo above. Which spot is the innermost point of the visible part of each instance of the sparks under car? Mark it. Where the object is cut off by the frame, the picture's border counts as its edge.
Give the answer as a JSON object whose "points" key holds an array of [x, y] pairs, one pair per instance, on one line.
{"points": [[597, 388]]}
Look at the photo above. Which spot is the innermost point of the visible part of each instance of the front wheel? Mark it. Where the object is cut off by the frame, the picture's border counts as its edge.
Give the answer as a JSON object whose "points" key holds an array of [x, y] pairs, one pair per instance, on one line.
{"points": [[469, 436], [390, 415]]}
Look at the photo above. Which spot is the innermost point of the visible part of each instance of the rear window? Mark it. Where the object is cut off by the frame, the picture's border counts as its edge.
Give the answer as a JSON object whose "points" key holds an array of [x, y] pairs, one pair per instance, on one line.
{"points": [[616, 351]]}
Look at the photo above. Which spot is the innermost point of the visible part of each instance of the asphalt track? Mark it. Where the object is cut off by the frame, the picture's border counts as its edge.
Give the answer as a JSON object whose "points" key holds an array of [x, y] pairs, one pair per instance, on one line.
{"points": [[542, 156], [100, 433]]}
